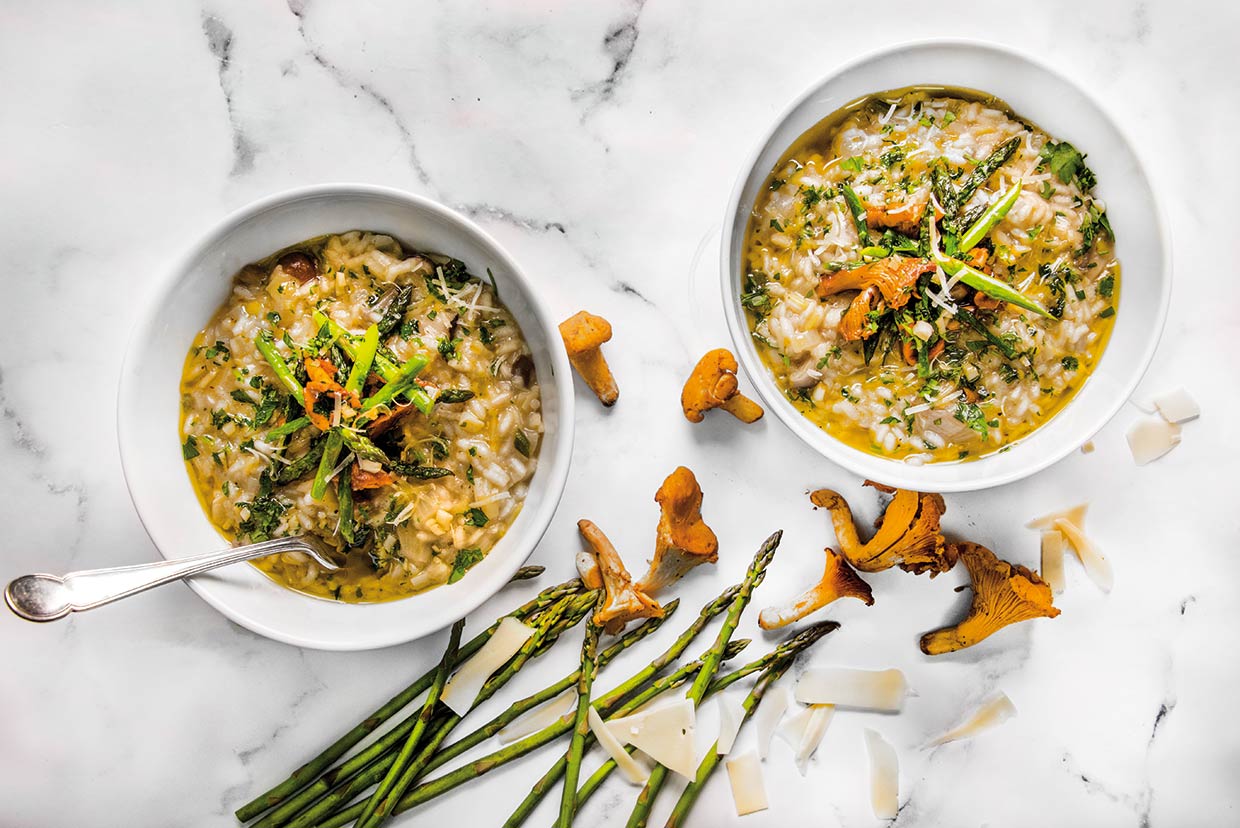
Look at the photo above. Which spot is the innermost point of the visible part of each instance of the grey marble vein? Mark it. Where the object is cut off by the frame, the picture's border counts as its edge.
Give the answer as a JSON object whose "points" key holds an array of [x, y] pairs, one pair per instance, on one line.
{"points": [[220, 42]]}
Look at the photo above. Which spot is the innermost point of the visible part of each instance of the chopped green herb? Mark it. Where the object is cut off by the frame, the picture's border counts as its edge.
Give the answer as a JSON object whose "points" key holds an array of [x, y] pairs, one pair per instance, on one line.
{"points": [[476, 517], [775, 225], [190, 450], [465, 560], [854, 164], [264, 516], [219, 349], [521, 443], [1106, 286], [776, 183], [1070, 363]]}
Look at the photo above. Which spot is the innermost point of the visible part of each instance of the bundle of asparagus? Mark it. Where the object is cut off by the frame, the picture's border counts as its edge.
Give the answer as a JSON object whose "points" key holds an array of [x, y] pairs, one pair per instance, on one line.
{"points": [[325, 792]]}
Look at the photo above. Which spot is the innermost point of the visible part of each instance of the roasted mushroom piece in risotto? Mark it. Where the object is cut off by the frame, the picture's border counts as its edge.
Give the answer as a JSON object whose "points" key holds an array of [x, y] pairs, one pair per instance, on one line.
{"points": [[380, 398]]}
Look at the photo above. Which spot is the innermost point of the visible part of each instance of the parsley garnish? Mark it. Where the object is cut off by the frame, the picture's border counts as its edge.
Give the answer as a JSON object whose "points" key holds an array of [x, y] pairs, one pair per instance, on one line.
{"points": [[475, 517], [465, 560], [190, 450]]}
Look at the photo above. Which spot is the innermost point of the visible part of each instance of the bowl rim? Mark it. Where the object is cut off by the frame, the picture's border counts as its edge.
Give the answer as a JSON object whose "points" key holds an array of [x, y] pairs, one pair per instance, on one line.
{"points": [[557, 471], [894, 472]]}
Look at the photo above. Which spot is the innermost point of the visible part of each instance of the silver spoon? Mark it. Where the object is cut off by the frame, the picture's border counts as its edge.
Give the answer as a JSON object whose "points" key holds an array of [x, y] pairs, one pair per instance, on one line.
{"points": [[48, 597]]}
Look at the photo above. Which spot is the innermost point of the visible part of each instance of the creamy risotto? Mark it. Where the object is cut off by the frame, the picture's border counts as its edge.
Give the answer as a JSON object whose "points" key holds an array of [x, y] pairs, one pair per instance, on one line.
{"points": [[380, 398], [928, 276]]}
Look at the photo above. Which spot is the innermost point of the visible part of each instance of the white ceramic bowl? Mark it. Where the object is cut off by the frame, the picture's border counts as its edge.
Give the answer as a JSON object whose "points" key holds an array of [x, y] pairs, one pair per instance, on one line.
{"points": [[1057, 105], [149, 411]]}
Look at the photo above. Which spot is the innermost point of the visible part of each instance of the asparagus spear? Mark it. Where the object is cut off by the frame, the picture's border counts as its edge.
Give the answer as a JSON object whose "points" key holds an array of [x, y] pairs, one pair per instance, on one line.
{"points": [[710, 665], [395, 310], [984, 170], [605, 706], [363, 358], [405, 379], [344, 498], [857, 211], [300, 467], [267, 347], [311, 769], [327, 463], [991, 216], [441, 785], [390, 791], [516, 709], [289, 428], [581, 725], [366, 768]]}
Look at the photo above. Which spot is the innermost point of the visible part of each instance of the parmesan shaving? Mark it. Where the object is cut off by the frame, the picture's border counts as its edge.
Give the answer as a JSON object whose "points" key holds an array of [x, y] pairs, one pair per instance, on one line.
{"points": [[633, 770], [731, 716], [884, 776], [1096, 565], [665, 734], [1150, 439], [462, 689], [991, 714], [1177, 406], [819, 718], [1074, 515], [861, 689], [542, 716], [748, 790], [1052, 560], [766, 718]]}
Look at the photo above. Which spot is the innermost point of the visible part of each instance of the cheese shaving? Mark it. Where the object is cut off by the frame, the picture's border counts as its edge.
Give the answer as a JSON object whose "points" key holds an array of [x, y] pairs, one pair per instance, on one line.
{"points": [[1150, 439], [731, 716], [884, 776], [993, 713], [633, 770], [1052, 560], [860, 689], [542, 716], [1177, 406], [748, 790], [1074, 515], [766, 717], [462, 689], [665, 734], [819, 718], [1097, 567]]}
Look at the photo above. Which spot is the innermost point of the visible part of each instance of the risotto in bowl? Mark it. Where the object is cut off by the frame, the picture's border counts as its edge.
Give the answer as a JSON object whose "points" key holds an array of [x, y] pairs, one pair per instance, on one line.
{"points": [[930, 283], [364, 366]]}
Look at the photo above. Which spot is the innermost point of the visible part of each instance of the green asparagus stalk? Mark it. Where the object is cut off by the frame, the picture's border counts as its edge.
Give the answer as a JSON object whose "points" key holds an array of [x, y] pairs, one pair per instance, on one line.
{"points": [[857, 211], [327, 463], [359, 772], [689, 796], [553, 774], [441, 785], [395, 311], [288, 429], [363, 358], [990, 217], [302, 466], [710, 665], [519, 708], [390, 791], [267, 347], [984, 170], [581, 725], [311, 769], [344, 500], [405, 379]]}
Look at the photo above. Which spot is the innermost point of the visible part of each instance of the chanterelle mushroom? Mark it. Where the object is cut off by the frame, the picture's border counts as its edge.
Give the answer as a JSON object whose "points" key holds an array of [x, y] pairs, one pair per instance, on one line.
{"points": [[1003, 594], [683, 540], [907, 534], [623, 601], [893, 278], [713, 385], [838, 581], [584, 334]]}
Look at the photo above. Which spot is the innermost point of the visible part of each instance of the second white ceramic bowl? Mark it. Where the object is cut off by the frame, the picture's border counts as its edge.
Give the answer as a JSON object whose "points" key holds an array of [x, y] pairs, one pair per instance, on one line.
{"points": [[1057, 105], [148, 412]]}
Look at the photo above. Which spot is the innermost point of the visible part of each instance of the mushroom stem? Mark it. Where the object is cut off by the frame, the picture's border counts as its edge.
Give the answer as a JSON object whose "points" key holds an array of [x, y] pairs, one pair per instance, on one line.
{"points": [[593, 368], [742, 408]]}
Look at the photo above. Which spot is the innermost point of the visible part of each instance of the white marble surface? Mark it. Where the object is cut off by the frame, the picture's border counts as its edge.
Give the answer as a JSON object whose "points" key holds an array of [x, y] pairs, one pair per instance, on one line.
{"points": [[598, 141]]}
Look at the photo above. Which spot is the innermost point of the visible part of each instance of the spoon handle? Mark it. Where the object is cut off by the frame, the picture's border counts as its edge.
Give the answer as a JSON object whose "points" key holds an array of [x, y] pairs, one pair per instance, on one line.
{"points": [[48, 597]]}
